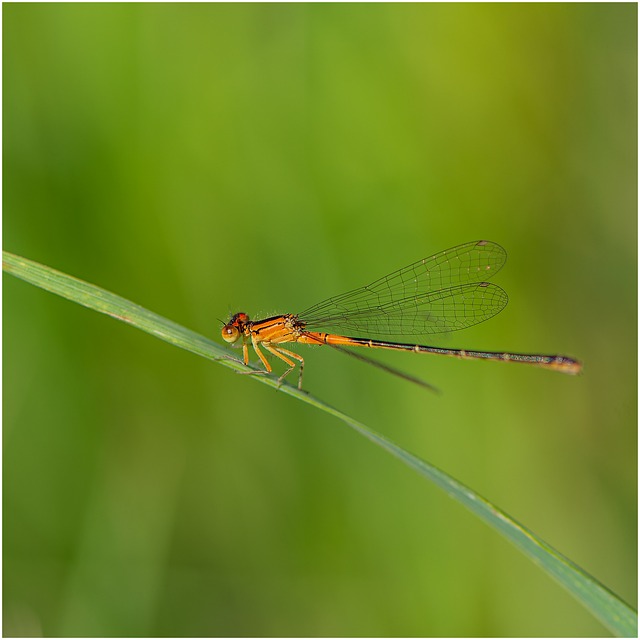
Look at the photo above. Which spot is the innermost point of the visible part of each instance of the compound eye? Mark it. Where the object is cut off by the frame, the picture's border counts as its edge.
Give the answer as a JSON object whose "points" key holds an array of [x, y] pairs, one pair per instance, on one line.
{"points": [[230, 333]]}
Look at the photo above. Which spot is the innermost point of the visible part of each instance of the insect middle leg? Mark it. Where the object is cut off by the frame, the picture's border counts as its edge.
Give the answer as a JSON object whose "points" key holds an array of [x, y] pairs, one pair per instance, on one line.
{"points": [[282, 354], [252, 372]]}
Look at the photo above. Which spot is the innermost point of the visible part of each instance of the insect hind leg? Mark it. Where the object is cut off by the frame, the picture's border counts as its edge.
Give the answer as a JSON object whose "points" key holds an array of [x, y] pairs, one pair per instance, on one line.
{"points": [[286, 355]]}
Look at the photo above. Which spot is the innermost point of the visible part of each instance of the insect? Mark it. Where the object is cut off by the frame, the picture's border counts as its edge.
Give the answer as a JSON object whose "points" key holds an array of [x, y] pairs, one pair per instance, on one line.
{"points": [[445, 292]]}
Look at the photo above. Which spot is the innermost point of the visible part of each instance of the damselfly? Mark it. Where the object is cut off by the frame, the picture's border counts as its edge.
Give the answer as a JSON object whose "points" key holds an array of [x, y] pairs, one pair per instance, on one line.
{"points": [[443, 293]]}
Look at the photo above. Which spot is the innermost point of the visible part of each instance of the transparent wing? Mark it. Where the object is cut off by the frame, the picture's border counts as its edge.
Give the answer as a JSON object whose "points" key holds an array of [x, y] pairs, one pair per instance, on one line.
{"points": [[445, 292]]}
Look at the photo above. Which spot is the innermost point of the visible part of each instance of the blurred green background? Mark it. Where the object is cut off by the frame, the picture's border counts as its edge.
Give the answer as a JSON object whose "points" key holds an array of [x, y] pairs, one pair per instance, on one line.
{"points": [[204, 159]]}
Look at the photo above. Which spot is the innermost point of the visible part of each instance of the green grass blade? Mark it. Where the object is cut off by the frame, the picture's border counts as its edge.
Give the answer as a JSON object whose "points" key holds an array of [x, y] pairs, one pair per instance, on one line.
{"points": [[613, 612]]}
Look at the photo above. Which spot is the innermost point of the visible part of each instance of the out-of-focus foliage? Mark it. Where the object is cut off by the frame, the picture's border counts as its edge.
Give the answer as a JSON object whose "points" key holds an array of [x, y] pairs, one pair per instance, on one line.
{"points": [[205, 159]]}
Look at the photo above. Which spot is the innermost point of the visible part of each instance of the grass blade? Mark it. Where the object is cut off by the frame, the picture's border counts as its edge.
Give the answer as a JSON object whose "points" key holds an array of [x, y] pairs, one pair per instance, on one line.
{"points": [[612, 611]]}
